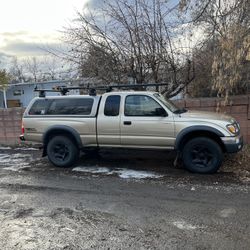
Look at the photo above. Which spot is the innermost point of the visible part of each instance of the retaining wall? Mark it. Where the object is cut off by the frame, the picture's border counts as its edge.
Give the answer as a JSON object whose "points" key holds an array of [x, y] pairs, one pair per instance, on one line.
{"points": [[10, 125]]}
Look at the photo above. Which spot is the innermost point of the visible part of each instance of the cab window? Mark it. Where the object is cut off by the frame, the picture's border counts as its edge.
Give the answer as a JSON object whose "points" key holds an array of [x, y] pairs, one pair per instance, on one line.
{"points": [[141, 105], [112, 105]]}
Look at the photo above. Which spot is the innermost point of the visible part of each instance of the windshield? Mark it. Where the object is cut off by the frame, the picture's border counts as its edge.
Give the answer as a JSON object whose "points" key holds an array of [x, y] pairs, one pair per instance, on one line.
{"points": [[170, 105]]}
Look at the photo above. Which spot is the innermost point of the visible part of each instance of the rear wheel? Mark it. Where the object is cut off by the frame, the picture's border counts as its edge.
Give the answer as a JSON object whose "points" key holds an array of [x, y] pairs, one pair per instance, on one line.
{"points": [[62, 151], [202, 155]]}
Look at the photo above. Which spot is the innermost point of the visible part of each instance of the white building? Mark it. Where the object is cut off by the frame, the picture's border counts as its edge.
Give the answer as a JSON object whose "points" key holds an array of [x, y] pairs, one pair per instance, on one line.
{"points": [[21, 94]]}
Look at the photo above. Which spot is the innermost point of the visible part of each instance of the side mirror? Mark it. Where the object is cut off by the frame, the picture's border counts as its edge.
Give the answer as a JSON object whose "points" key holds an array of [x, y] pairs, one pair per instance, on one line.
{"points": [[161, 112]]}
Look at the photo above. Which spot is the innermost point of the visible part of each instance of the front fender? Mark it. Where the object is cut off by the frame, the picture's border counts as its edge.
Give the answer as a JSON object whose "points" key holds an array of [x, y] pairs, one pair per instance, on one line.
{"points": [[195, 129]]}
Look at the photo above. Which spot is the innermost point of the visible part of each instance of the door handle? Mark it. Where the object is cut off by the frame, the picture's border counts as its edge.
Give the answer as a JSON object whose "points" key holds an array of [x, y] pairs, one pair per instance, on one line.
{"points": [[127, 122]]}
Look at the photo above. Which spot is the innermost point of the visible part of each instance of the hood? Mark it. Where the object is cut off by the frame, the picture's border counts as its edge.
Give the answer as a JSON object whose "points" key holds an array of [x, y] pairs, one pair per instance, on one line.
{"points": [[204, 115]]}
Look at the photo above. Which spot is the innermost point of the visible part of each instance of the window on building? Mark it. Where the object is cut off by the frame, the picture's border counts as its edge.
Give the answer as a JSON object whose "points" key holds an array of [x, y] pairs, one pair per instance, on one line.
{"points": [[18, 92]]}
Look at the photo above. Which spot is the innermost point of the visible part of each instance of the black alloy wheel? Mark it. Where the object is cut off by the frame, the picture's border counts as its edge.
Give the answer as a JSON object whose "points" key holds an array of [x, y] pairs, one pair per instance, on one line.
{"points": [[202, 155], [62, 151]]}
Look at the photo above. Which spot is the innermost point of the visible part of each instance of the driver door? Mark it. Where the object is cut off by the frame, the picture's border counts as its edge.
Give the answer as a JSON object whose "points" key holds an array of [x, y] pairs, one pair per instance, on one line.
{"points": [[142, 125]]}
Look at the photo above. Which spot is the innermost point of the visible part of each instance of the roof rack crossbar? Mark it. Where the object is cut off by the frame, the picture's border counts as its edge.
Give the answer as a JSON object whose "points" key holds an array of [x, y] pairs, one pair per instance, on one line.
{"points": [[92, 89]]}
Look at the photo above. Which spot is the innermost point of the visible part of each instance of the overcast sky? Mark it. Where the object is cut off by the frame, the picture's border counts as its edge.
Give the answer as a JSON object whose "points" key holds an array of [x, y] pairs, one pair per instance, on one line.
{"points": [[25, 25]]}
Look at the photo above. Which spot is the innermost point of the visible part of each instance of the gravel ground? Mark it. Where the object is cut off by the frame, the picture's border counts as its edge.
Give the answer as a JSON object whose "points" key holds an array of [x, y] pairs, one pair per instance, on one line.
{"points": [[121, 200]]}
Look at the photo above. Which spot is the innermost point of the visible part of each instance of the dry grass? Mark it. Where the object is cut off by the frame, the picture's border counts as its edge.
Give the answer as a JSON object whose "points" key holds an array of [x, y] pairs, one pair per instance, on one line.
{"points": [[239, 163]]}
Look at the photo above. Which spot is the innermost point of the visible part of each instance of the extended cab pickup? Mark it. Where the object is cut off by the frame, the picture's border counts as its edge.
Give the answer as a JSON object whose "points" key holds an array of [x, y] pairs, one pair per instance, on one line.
{"points": [[140, 120]]}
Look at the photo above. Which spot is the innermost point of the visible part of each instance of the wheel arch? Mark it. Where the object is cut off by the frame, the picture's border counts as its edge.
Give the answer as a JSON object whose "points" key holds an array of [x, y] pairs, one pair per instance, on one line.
{"points": [[60, 130], [198, 131]]}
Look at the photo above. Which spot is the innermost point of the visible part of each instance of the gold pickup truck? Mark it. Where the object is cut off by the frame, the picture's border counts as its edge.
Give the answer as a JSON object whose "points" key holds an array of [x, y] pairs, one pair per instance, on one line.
{"points": [[129, 119]]}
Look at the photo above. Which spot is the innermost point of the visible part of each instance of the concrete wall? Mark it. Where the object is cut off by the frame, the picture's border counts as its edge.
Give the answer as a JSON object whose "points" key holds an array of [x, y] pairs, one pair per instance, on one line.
{"points": [[10, 125], [10, 119]]}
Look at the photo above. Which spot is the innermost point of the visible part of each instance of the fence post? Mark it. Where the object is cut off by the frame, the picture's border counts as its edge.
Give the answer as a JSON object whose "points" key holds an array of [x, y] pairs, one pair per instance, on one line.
{"points": [[4, 98]]}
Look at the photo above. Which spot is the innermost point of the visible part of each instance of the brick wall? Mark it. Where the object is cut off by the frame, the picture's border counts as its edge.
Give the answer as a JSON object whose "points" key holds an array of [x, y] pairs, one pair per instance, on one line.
{"points": [[10, 125], [238, 107]]}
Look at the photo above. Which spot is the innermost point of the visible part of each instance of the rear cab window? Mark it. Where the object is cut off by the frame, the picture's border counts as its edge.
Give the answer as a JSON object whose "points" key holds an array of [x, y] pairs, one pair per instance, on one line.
{"points": [[112, 105], [62, 106]]}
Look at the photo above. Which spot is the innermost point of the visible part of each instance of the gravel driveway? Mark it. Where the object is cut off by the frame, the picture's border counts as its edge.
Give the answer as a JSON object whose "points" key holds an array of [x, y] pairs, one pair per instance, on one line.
{"points": [[119, 200]]}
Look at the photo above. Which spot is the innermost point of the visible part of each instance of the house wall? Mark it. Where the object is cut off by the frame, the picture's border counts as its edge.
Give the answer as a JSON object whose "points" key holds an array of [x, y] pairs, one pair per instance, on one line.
{"points": [[27, 93]]}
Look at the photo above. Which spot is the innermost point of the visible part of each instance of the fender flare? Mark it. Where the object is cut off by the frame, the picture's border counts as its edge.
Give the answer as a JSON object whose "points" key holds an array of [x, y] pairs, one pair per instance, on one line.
{"points": [[61, 128], [198, 128]]}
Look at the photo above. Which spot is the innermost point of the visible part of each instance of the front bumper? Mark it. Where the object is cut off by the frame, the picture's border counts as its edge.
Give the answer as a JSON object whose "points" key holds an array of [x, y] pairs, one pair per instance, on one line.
{"points": [[233, 144]]}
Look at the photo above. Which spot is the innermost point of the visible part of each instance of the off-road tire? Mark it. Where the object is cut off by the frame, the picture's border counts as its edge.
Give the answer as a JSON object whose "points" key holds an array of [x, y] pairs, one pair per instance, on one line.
{"points": [[62, 151], [202, 155]]}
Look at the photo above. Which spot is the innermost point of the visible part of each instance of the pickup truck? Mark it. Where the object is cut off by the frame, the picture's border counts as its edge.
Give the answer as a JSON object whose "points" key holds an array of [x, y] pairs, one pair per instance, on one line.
{"points": [[65, 125]]}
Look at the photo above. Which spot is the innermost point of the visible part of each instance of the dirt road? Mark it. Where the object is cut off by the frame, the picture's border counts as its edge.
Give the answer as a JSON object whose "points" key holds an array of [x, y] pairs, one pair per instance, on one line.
{"points": [[120, 200]]}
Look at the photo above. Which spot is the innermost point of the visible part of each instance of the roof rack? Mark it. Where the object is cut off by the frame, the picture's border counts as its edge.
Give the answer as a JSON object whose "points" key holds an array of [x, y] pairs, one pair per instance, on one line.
{"points": [[92, 90]]}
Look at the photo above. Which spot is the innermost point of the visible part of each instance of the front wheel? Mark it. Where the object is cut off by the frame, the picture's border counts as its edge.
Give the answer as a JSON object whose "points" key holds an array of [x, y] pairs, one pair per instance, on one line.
{"points": [[202, 155], [62, 151]]}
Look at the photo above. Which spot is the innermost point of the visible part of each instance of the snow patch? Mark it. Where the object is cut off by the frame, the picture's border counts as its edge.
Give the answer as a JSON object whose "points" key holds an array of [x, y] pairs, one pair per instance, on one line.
{"points": [[27, 149], [122, 173], [5, 148], [93, 170], [15, 162], [184, 225], [128, 173], [17, 168], [227, 212]]}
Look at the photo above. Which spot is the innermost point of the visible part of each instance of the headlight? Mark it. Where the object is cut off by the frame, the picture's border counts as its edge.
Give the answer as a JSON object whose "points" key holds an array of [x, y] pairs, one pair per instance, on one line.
{"points": [[233, 128]]}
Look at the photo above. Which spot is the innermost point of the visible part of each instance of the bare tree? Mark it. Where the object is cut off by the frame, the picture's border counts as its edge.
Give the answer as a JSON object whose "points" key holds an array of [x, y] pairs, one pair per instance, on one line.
{"points": [[203, 57], [227, 23], [16, 71], [98, 63], [45, 68], [51, 67], [37, 68], [4, 79], [33, 68], [136, 39]]}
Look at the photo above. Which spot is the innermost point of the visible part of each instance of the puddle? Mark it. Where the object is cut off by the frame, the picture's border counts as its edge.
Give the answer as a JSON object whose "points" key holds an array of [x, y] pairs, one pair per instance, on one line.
{"points": [[121, 172]]}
